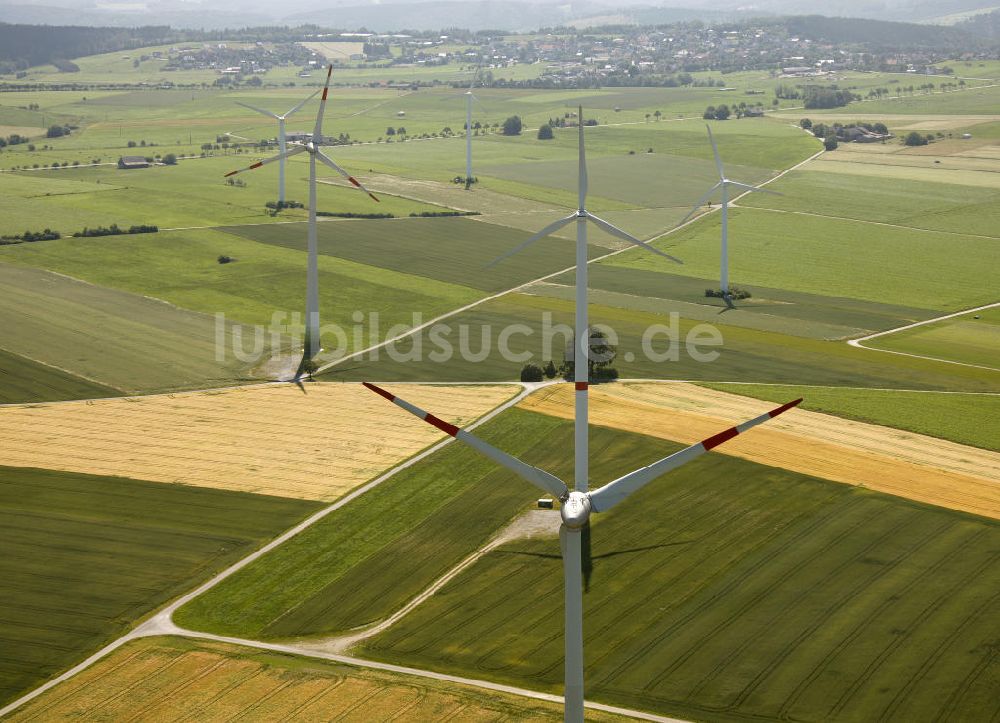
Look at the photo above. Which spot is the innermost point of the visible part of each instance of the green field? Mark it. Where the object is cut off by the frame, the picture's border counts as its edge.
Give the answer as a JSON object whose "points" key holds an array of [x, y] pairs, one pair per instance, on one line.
{"points": [[963, 418], [24, 380], [69, 199], [919, 204], [786, 311], [363, 562], [973, 338], [108, 338], [835, 257], [746, 355], [85, 557], [182, 268], [451, 250], [735, 591]]}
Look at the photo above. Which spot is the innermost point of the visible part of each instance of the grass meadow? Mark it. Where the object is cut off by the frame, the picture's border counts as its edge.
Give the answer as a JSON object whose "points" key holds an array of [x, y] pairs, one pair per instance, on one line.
{"points": [[104, 337], [963, 418], [182, 268], [219, 681], [747, 354], [734, 591], [449, 250], [972, 338], [835, 257], [25, 380], [85, 557], [964, 209]]}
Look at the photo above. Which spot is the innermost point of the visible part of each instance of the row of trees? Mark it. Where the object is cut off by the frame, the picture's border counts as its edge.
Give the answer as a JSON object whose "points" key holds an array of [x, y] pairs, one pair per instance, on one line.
{"points": [[27, 236], [114, 230]]}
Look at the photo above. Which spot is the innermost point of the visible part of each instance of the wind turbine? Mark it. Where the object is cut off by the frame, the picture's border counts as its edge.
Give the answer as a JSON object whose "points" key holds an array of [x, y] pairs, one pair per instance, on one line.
{"points": [[469, 97], [581, 341], [312, 338], [282, 147], [723, 184], [575, 510]]}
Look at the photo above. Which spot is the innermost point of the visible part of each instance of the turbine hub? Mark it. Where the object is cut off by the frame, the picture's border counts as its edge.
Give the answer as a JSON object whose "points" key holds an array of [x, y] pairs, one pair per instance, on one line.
{"points": [[575, 510]]}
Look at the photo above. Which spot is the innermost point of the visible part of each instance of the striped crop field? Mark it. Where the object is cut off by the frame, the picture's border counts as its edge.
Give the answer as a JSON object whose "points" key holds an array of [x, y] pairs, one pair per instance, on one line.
{"points": [[266, 439], [900, 463], [174, 679]]}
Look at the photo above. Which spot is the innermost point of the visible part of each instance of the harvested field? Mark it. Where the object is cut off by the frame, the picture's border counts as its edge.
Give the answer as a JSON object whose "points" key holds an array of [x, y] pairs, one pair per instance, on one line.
{"points": [[172, 679], [267, 439], [888, 460]]}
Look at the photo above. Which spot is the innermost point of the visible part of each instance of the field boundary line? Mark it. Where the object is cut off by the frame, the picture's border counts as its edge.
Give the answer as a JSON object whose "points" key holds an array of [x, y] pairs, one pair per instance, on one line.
{"points": [[858, 342], [519, 287], [859, 220]]}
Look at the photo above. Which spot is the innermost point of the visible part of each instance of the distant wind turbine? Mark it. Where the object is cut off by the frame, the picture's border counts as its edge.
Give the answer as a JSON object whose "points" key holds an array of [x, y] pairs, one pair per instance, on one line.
{"points": [[281, 138], [469, 97], [312, 338], [723, 184]]}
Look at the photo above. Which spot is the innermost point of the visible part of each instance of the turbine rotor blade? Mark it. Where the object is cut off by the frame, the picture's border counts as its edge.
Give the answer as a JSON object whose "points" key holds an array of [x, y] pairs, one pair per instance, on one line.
{"points": [[700, 202], [756, 189], [715, 152], [615, 231], [550, 229], [354, 182], [293, 151], [318, 129], [614, 492], [538, 477], [259, 110], [299, 106]]}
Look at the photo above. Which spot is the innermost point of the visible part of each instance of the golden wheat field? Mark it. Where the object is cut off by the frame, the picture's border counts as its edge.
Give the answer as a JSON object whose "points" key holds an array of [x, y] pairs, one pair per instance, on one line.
{"points": [[267, 439], [888, 460], [173, 679]]}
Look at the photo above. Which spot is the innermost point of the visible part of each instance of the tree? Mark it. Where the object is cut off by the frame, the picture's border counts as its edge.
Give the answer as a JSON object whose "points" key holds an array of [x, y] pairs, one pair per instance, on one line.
{"points": [[550, 370], [709, 113], [545, 133], [309, 367], [830, 143], [722, 112], [512, 126], [390, 131], [914, 139], [805, 123], [170, 159], [531, 373], [657, 114]]}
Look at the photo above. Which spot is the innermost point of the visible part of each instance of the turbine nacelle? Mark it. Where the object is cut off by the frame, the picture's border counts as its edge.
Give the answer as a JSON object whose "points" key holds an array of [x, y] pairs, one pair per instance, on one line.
{"points": [[575, 510]]}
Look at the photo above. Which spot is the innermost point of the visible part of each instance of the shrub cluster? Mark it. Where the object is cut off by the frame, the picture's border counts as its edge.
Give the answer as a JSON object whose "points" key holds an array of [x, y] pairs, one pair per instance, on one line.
{"points": [[735, 292], [436, 214], [114, 230], [46, 235], [351, 214]]}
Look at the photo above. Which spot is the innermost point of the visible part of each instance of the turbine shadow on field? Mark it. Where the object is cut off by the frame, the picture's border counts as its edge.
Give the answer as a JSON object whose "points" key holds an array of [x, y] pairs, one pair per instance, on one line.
{"points": [[603, 555]]}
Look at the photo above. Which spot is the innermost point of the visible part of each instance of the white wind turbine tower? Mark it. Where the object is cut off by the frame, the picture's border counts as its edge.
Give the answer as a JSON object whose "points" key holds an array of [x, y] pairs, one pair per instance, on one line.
{"points": [[469, 97], [312, 337], [282, 147], [723, 185], [577, 505], [575, 509]]}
